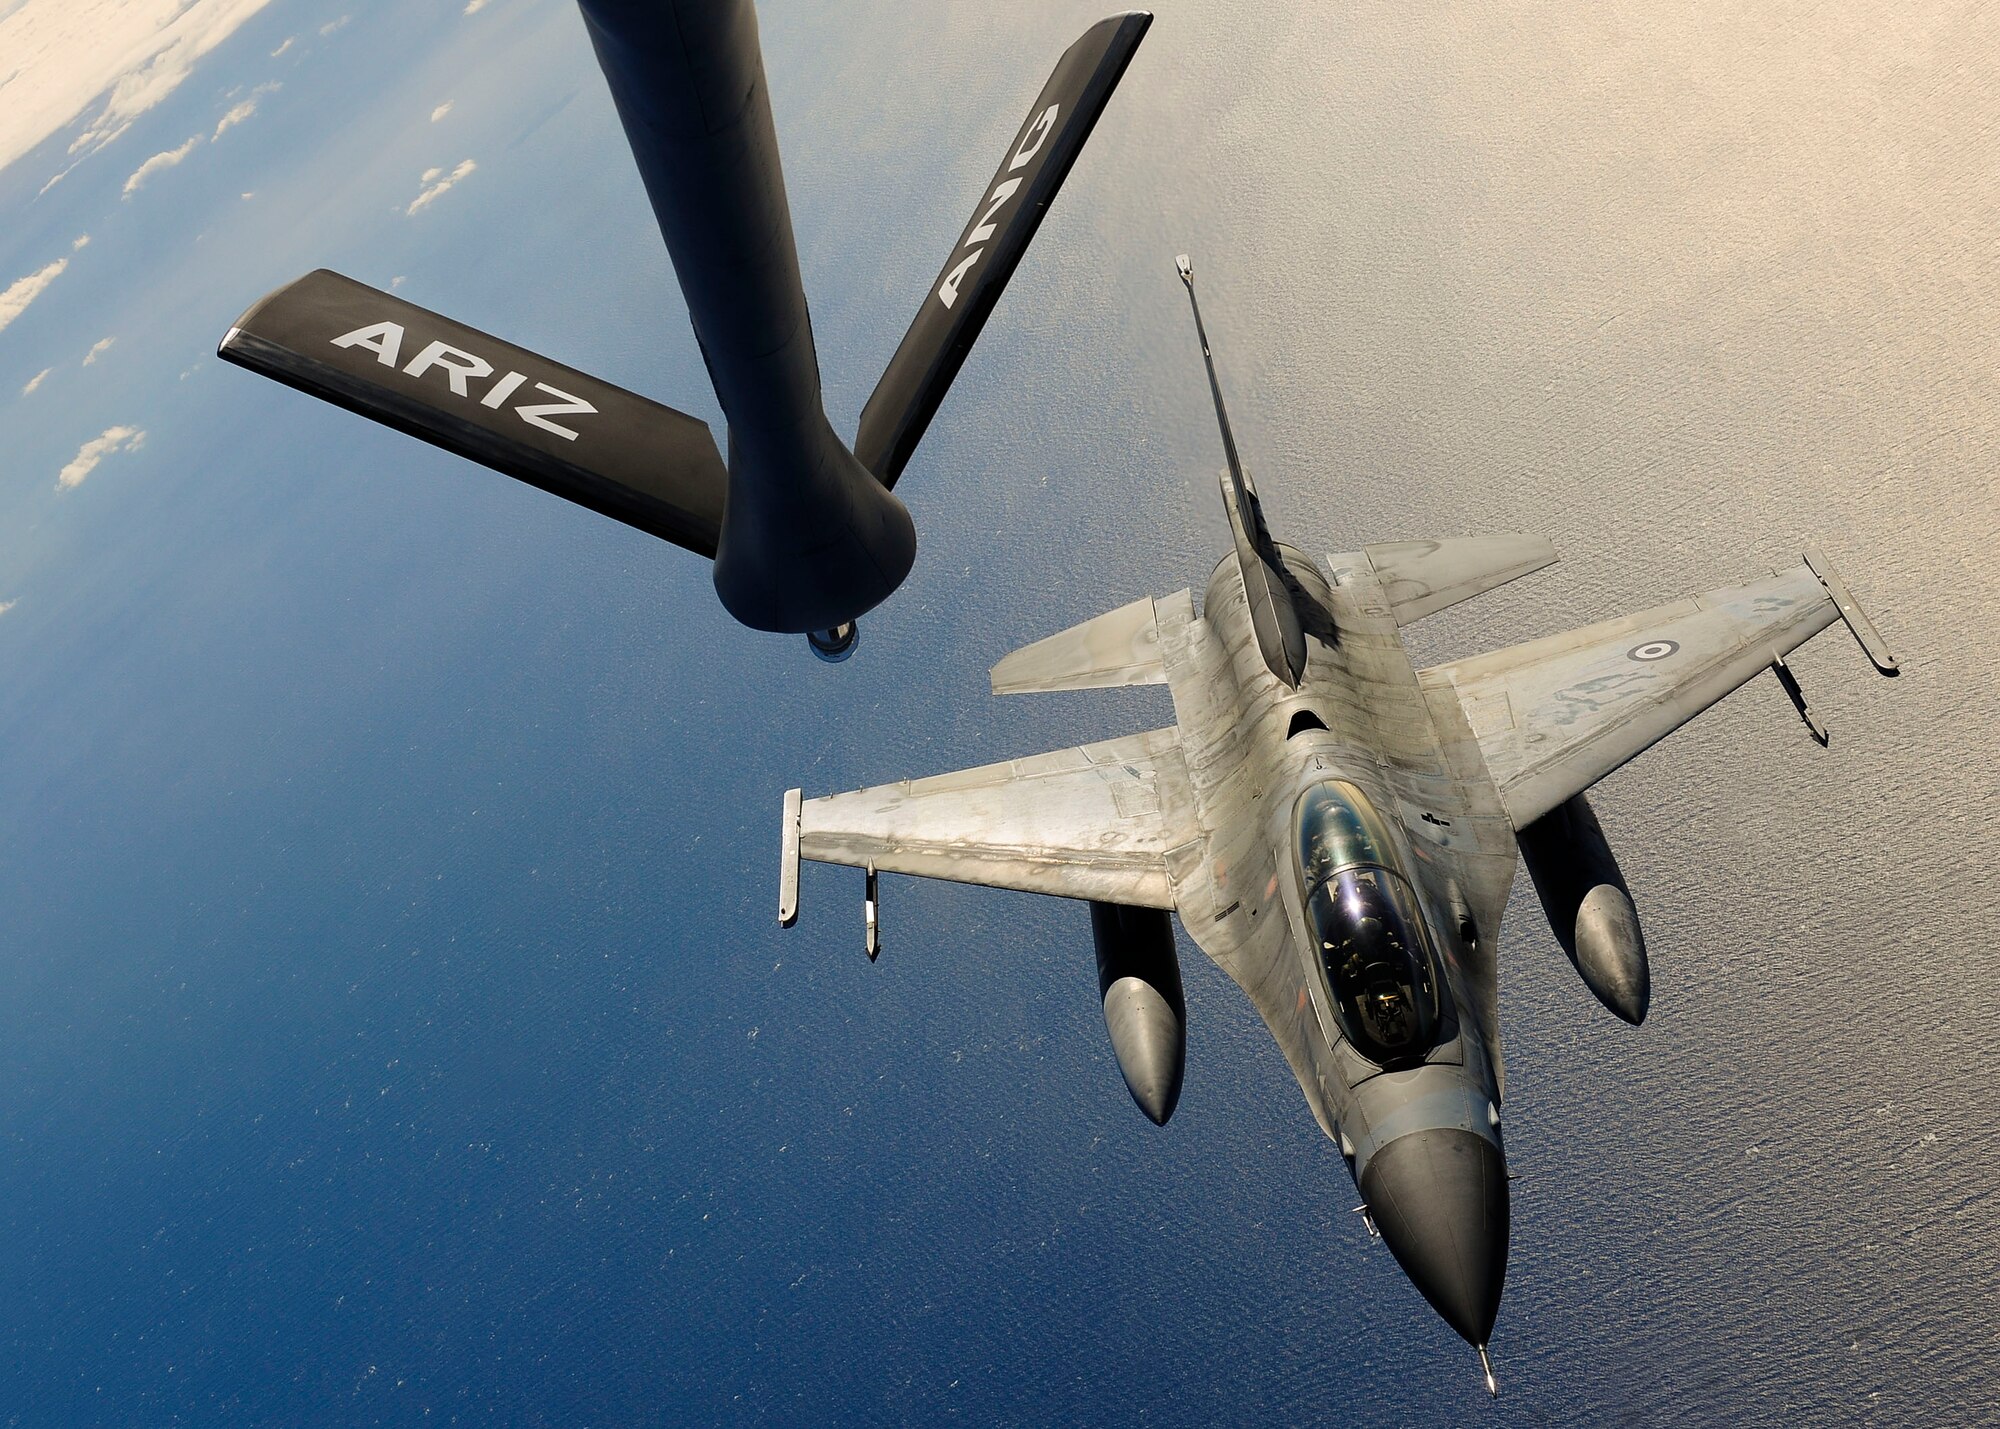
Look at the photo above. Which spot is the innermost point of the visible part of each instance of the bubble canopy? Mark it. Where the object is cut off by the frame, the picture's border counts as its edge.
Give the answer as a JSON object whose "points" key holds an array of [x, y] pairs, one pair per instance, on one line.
{"points": [[1338, 828], [1365, 922]]}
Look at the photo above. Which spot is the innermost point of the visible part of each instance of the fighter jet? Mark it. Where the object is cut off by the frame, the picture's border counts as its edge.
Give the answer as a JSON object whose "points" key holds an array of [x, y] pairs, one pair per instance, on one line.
{"points": [[1338, 831], [805, 531]]}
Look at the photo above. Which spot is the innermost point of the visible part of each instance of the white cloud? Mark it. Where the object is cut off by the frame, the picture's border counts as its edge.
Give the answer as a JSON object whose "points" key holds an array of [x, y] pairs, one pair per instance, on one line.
{"points": [[331, 25], [24, 291], [82, 241], [166, 159], [290, 40], [120, 56], [7, 605], [115, 439], [98, 349], [440, 112], [473, 7], [236, 115], [37, 380], [397, 282], [436, 182]]}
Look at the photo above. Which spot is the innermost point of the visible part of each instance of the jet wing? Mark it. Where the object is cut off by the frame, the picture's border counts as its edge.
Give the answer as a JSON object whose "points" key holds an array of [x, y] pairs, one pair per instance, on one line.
{"points": [[1556, 715], [1102, 821]]}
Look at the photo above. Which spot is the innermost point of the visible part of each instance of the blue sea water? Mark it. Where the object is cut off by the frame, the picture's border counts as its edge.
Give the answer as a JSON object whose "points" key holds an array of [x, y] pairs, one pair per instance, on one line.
{"points": [[393, 1023]]}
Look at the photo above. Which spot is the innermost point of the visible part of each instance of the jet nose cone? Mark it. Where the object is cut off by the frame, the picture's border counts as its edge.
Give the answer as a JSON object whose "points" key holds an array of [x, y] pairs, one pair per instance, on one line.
{"points": [[1439, 1198]]}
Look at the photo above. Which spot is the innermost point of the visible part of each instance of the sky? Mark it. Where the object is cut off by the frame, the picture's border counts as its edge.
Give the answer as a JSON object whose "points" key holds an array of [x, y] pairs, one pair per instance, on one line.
{"points": [[393, 1023]]}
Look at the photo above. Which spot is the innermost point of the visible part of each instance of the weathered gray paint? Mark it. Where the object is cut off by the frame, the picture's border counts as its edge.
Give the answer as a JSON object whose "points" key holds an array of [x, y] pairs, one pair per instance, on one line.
{"points": [[1199, 819], [1120, 647]]}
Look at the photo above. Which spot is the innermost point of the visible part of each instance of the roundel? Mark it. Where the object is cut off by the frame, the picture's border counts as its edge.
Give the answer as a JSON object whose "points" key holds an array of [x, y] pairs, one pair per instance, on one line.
{"points": [[1652, 650]]}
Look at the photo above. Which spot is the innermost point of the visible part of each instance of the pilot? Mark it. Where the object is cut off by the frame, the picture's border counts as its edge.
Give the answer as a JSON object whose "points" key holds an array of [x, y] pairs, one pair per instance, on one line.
{"points": [[1360, 947], [1390, 1015]]}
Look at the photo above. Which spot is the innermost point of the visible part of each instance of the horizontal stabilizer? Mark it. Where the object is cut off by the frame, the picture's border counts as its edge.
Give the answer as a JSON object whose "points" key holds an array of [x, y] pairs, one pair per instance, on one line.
{"points": [[1424, 577], [613, 451], [1010, 210], [1120, 647]]}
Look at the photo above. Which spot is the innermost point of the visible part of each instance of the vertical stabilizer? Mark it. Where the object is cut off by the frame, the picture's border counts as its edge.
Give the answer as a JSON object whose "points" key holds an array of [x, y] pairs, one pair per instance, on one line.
{"points": [[1280, 638]]}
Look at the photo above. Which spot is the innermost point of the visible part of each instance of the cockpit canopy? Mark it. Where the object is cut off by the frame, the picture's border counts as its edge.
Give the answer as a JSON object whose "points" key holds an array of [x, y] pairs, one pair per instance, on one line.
{"points": [[1380, 969], [1337, 828]]}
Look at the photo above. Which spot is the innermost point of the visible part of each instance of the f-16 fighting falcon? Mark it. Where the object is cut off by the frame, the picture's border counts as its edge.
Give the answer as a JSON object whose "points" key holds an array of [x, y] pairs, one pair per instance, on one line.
{"points": [[805, 531], [1339, 832]]}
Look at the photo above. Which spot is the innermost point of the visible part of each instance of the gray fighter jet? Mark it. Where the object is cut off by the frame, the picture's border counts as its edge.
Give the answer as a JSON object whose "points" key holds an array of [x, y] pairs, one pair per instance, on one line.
{"points": [[1339, 831], [804, 529]]}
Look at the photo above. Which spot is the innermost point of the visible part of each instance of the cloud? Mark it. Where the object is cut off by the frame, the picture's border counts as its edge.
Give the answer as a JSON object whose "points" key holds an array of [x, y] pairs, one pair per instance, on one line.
{"points": [[243, 111], [473, 7], [233, 119], [126, 56], [331, 25], [37, 380], [15, 300], [115, 439], [7, 605], [82, 241], [440, 112], [166, 159], [98, 349], [290, 40], [436, 182]]}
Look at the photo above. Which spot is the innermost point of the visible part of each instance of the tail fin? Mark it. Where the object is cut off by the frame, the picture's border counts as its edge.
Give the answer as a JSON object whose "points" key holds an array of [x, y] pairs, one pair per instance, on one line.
{"points": [[1281, 640], [567, 432], [1011, 209]]}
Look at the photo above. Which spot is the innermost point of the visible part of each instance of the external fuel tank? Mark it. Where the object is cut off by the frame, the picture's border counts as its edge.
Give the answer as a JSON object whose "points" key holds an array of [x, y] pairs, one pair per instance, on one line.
{"points": [[1589, 906], [1139, 980]]}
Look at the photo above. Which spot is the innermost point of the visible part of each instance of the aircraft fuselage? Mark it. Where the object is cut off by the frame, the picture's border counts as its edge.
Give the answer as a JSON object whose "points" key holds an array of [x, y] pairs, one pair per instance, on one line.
{"points": [[1402, 1072]]}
